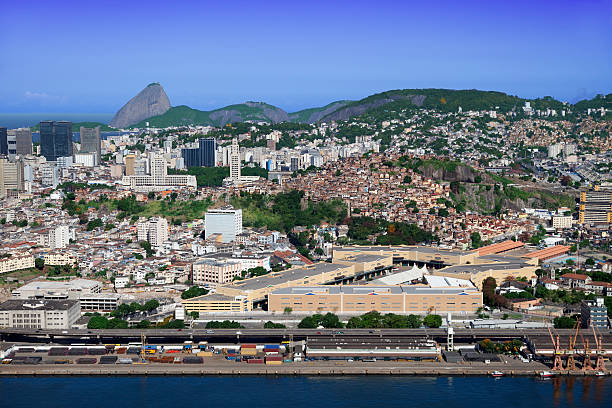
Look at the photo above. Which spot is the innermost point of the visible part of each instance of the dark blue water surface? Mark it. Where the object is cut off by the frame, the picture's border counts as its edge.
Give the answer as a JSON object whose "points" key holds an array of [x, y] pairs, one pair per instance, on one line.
{"points": [[296, 392]]}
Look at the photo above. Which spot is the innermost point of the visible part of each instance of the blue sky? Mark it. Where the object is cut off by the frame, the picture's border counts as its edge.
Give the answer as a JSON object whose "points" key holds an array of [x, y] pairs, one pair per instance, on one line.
{"points": [[92, 56]]}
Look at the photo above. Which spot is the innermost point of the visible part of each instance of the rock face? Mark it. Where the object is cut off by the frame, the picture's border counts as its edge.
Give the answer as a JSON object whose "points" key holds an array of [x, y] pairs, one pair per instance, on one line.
{"points": [[151, 101], [360, 107]]}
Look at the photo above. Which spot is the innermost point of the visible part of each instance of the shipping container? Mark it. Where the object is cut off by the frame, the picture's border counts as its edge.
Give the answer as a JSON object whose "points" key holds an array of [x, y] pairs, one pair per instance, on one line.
{"points": [[271, 346], [86, 360], [274, 362], [124, 361], [255, 361], [274, 358], [204, 354]]}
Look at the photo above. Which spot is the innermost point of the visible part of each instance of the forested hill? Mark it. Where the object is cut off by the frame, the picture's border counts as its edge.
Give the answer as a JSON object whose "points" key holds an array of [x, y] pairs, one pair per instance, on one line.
{"points": [[445, 100]]}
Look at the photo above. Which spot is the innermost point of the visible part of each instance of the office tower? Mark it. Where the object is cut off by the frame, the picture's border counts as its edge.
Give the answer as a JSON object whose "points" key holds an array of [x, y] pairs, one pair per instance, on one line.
{"points": [[595, 207], [11, 143], [154, 231], [24, 141], [90, 142], [11, 177], [225, 221], [3, 141], [129, 164], [55, 139], [202, 156], [235, 161]]}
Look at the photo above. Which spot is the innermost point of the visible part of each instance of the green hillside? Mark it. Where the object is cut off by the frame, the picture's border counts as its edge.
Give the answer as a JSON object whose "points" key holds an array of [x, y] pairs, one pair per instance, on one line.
{"points": [[304, 115], [249, 111]]}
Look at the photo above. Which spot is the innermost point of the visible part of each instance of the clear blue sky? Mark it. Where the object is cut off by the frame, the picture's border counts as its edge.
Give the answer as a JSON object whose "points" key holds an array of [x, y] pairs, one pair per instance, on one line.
{"points": [[92, 56]]}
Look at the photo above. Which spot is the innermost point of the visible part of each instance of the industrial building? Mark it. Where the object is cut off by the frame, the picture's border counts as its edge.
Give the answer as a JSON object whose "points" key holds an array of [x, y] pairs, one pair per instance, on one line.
{"points": [[39, 314], [216, 302], [71, 289], [384, 299], [343, 347]]}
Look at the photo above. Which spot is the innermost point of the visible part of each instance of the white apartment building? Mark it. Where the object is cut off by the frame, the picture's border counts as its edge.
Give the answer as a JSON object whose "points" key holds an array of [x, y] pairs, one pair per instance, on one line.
{"points": [[225, 221], [60, 258], [60, 237], [562, 221], [154, 231]]}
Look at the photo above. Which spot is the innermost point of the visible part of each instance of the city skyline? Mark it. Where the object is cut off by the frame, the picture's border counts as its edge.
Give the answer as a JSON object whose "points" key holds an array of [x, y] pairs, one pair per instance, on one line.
{"points": [[208, 55]]}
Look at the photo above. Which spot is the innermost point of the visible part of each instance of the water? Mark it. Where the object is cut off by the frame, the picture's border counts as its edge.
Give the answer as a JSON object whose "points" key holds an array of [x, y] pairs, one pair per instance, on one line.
{"points": [[297, 392], [16, 120]]}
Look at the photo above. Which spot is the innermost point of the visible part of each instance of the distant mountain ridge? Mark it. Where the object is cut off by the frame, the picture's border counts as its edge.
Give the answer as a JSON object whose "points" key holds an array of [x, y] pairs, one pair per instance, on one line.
{"points": [[441, 99]]}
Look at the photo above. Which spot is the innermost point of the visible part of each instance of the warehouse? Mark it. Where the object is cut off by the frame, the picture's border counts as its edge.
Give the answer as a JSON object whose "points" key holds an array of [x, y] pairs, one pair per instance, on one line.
{"points": [[362, 299], [341, 347], [39, 314]]}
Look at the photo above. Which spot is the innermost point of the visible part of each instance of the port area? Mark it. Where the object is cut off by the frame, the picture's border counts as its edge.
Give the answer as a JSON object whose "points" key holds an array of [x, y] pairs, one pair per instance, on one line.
{"points": [[217, 365]]}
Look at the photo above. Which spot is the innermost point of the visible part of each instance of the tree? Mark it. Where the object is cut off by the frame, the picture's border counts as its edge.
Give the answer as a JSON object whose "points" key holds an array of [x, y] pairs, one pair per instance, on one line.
{"points": [[287, 310], [193, 291], [147, 247], [97, 322], [564, 322], [476, 239], [39, 263], [144, 324], [272, 325], [432, 321]]}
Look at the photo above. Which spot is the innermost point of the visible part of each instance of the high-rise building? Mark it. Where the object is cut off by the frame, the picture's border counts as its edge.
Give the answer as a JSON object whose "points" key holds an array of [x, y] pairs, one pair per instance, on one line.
{"points": [[154, 231], [55, 139], [59, 237], [130, 160], [595, 206], [235, 161], [3, 141], [23, 141], [202, 156], [225, 221], [11, 177], [50, 175], [90, 141]]}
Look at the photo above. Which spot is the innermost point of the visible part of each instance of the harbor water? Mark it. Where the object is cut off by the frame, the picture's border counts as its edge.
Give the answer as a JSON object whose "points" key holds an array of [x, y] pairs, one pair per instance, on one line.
{"points": [[297, 392]]}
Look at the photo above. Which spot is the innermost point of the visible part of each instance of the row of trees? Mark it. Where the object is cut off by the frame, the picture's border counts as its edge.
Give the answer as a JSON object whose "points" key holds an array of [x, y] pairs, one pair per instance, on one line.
{"points": [[371, 320], [507, 347], [226, 324], [126, 309]]}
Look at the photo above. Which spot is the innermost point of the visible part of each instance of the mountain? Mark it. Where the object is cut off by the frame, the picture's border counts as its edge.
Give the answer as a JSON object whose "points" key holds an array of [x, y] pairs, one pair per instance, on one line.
{"points": [[313, 115], [151, 101], [248, 111]]}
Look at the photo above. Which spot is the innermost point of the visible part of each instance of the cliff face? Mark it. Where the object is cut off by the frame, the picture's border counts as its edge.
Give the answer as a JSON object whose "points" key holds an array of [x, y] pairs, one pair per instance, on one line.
{"points": [[151, 101]]}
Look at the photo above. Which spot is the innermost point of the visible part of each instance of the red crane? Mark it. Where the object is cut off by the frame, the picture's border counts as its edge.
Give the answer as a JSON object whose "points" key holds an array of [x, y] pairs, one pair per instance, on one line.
{"points": [[557, 360]]}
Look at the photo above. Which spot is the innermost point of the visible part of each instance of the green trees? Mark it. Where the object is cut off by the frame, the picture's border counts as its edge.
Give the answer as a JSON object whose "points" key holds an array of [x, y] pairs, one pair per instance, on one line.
{"points": [[374, 320], [328, 321], [93, 224], [226, 324], [193, 291], [101, 322], [147, 247], [507, 347], [490, 297], [272, 325], [433, 321], [564, 322], [39, 263], [476, 240]]}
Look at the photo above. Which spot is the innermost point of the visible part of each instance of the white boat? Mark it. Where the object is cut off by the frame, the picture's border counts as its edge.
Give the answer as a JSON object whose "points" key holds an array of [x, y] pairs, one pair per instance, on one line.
{"points": [[546, 374], [600, 374], [497, 374]]}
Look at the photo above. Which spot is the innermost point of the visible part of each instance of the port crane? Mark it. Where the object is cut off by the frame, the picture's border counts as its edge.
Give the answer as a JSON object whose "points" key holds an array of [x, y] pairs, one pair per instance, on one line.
{"points": [[557, 353]]}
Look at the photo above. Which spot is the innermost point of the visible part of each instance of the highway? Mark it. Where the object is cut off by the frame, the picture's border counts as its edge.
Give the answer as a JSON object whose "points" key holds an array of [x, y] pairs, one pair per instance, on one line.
{"points": [[462, 335]]}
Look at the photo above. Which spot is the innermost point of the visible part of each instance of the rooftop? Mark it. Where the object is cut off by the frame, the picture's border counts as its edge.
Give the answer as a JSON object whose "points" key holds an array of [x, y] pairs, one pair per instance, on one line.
{"points": [[18, 304]]}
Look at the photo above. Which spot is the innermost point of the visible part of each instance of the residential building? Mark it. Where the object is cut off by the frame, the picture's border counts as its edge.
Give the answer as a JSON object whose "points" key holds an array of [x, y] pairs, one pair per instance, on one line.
{"points": [[60, 258], [16, 262], [575, 280], [59, 237], [91, 142], [129, 160], [154, 231], [55, 139], [562, 221], [39, 314], [594, 313], [225, 221], [50, 175]]}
